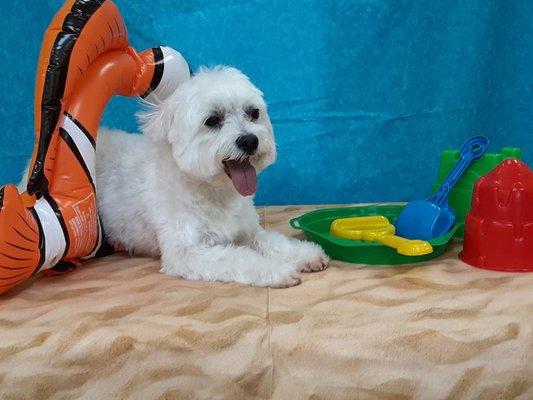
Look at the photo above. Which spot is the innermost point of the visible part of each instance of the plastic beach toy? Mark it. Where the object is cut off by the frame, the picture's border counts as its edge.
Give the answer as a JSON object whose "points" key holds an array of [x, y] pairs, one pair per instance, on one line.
{"points": [[499, 227], [460, 197], [433, 217], [85, 59], [316, 227], [377, 228]]}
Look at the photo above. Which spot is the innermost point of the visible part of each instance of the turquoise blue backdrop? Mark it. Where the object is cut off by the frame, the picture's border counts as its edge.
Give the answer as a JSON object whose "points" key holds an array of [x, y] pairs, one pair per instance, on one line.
{"points": [[363, 94]]}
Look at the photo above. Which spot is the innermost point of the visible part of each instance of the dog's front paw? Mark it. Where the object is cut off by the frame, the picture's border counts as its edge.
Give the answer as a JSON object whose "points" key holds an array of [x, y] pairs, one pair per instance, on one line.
{"points": [[310, 257], [282, 276]]}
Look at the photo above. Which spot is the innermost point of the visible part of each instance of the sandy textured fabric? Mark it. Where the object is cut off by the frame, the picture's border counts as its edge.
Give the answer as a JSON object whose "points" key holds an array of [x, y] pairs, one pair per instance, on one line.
{"points": [[119, 329]]}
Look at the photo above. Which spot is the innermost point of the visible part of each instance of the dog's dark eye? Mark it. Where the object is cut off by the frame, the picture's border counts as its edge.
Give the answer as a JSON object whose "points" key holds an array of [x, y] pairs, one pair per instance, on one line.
{"points": [[213, 121], [253, 113]]}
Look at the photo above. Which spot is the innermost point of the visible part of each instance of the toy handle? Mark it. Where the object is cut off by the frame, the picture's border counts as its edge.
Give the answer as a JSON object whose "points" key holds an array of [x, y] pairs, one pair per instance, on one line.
{"points": [[407, 247], [295, 223], [473, 149]]}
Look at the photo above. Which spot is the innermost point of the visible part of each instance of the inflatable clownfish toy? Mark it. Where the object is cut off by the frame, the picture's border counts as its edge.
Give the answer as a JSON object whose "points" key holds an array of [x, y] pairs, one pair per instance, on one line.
{"points": [[85, 59]]}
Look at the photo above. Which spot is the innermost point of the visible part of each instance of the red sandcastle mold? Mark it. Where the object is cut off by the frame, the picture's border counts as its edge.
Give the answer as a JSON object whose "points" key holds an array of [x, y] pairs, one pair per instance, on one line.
{"points": [[499, 226]]}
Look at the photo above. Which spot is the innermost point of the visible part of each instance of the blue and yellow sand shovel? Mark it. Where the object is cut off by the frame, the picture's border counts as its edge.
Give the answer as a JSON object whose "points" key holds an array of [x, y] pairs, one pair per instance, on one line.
{"points": [[378, 229]]}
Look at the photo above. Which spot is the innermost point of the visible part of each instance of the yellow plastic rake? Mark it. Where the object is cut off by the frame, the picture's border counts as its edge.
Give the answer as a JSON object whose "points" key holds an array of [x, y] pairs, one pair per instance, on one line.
{"points": [[377, 228]]}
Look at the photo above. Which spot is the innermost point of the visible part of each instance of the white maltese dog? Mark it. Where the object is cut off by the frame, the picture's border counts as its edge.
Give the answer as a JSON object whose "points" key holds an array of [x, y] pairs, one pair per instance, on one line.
{"points": [[182, 191]]}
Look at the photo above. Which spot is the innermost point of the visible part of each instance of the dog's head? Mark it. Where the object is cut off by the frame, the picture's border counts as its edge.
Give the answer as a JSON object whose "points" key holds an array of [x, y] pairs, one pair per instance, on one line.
{"points": [[218, 128]]}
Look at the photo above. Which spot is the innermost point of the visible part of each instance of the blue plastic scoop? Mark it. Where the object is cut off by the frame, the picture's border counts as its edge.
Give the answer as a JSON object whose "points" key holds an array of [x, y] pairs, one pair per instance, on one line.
{"points": [[433, 217]]}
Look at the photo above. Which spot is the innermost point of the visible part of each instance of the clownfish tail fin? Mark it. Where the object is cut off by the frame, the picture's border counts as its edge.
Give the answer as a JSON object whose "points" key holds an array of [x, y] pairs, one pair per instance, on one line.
{"points": [[21, 241]]}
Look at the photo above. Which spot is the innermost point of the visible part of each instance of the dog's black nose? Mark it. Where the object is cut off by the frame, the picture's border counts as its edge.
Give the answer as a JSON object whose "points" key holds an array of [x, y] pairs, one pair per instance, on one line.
{"points": [[248, 143]]}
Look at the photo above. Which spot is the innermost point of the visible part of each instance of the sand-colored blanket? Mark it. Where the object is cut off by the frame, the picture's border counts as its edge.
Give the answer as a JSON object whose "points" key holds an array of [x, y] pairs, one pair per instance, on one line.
{"points": [[118, 329]]}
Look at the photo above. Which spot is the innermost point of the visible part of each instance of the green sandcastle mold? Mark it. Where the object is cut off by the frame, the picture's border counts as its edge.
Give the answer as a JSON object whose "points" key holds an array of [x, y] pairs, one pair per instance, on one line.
{"points": [[461, 196]]}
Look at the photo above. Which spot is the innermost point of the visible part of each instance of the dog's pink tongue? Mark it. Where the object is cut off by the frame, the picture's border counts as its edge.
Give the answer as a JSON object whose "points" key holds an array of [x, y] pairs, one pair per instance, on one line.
{"points": [[243, 176]]}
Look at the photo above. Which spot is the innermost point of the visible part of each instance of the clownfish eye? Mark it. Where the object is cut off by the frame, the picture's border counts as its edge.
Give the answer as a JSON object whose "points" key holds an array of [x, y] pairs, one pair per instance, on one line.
{"points": [[213, 121], [253, 113]]}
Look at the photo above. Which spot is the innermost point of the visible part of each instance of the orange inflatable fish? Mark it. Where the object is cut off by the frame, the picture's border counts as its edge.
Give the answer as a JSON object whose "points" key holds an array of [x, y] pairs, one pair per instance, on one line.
{"points": [[85, 59]]}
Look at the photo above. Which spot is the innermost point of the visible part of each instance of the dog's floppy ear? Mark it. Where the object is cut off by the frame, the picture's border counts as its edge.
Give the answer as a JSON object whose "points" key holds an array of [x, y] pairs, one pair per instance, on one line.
{"points": [[156, 121], [171, 70]]}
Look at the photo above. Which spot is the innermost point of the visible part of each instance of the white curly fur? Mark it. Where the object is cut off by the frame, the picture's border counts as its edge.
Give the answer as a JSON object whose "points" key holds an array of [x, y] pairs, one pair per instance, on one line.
{"points": [[165, 193]]}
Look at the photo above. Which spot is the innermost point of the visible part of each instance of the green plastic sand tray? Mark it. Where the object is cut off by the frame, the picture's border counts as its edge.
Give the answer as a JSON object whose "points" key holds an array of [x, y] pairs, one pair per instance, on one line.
{"points": [[315, 225]]}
